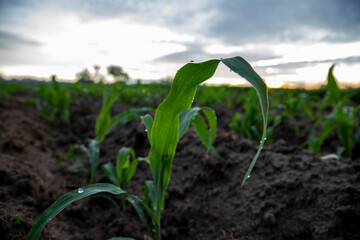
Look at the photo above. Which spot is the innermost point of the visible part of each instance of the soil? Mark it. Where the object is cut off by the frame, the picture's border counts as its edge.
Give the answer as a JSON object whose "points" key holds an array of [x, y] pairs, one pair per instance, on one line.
{"points": [[292, 193]]}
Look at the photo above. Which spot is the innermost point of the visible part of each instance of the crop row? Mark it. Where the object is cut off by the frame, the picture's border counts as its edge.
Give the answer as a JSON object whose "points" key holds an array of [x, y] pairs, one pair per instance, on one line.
{"points": [[330, 109]]}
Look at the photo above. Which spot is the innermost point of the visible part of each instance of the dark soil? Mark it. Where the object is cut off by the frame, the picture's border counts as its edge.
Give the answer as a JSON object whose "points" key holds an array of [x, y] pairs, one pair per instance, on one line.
{"points": [[291, 194]]}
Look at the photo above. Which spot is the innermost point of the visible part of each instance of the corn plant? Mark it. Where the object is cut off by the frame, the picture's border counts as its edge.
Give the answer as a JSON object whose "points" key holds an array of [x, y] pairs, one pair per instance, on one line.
{"points": [[54, 102], [343, 119], [163, 132], [104, 124], [123, 170]]}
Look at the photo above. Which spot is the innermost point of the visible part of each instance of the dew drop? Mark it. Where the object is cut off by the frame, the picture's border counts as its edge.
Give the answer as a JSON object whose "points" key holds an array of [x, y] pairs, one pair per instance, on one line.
{"points": [[264, 139], [248, 177], [80, 190], [145, 130]]}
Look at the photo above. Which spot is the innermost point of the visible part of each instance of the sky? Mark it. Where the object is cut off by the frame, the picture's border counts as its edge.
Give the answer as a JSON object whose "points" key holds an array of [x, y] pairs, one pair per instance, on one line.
{"points": [[287, 42]]}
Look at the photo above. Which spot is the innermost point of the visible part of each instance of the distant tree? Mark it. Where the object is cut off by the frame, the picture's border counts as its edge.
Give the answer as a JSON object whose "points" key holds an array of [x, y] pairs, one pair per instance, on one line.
{"points": [[118, 73], [84, 76], [98, 77]]}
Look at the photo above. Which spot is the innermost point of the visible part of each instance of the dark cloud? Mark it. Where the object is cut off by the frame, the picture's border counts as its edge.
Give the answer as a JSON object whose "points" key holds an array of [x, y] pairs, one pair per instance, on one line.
{"points": [[10, 40], [280, 21], [234, 22]]}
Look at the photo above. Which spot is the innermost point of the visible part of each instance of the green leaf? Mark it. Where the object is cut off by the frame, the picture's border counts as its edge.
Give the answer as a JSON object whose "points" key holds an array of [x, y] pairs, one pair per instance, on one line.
{"points": [[243, 68], [332, 86], [131, 170], [191, 115], [92, 151], [110, 172], [211, 117], [148, 122], [104, 121], [345, 123], [65, 201], [125, 116], [124, 169], [134, 201], [201, 129], [185, 118], [165, 130]]}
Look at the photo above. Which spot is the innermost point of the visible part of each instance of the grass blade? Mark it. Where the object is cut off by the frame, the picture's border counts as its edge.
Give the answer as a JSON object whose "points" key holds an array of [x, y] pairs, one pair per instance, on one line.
{"points": [[65, 201]]}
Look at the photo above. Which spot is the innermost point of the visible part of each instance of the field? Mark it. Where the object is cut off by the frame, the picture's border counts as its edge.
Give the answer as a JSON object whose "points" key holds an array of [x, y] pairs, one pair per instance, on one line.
{"points": [[305, 183]]}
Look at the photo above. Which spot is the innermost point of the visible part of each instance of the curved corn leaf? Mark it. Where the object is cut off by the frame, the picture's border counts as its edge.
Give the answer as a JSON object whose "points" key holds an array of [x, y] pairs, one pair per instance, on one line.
{"points": [[206, 135], [66, 200], [185, 118], [211, 117], [148, 121], [243, 68], [332, 86], [110, 172]]}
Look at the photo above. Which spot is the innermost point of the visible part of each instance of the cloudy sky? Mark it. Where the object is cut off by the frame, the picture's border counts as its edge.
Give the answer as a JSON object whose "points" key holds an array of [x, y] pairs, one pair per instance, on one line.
{"points": [[286, 41]]}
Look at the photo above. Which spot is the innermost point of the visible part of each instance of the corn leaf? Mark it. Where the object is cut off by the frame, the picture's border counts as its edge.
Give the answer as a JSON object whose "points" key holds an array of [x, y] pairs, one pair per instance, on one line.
{"points": [[332, 86], [185, 118], [243, 68], [192, 115], [110, 172], [125, 116], [92, 151], [66, 200], [148, 121], [104, 123], [211, 117], [134, 201]]}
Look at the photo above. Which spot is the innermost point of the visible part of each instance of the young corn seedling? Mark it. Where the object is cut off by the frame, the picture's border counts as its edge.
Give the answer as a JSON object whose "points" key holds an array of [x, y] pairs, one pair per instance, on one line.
{"points": [[164, 133], [123, 170], [54, 102], [342, 118], [104, 124]]}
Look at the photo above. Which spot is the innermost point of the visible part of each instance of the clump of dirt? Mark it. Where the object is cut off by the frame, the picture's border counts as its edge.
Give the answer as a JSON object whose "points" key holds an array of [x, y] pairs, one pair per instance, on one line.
{"points": [[291, 194]]}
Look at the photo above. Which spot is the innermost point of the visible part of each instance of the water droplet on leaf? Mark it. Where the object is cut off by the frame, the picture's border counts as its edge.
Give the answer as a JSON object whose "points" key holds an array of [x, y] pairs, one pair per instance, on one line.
{"points": [[80, 190]]}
